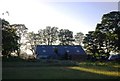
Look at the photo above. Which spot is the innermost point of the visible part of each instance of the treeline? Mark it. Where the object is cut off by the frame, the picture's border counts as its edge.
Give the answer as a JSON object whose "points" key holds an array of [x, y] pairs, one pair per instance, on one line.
{"points": [[106, 37], [98, 44], [51, 35], [16, 36]]}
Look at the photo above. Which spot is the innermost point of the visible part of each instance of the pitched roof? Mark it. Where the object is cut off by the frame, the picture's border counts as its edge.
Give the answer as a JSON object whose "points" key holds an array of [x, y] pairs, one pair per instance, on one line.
{"points": [[50, 49]]}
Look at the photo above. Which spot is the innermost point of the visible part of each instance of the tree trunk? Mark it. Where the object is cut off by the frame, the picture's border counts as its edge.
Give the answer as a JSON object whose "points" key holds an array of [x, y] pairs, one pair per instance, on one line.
{"points": [[48, 41], [18, 52]]}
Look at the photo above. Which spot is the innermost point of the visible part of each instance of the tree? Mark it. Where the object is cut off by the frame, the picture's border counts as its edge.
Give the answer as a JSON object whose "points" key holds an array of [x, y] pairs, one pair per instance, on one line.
{"points": [[110, 22], [106, 37], [89, 42], [49, 35], [56, 51], [92, 44], [21, 31], [41, 37], [100, 41], [32, 40], [79, 38], [66, 56], [9, 39], [65, 37]]}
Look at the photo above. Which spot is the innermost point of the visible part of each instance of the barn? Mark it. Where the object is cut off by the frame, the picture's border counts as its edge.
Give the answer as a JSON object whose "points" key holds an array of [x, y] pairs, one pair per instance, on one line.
{"points": [[75, 52]]}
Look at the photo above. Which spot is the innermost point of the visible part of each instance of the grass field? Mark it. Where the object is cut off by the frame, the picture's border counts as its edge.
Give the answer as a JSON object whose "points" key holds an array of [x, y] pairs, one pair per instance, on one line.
{"points": [[60, 70]]}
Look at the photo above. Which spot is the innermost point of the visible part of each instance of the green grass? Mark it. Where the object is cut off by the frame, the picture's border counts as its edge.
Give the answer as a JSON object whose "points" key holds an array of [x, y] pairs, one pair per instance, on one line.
{"points": [[49, 73], [56, 69], [107, 66]]}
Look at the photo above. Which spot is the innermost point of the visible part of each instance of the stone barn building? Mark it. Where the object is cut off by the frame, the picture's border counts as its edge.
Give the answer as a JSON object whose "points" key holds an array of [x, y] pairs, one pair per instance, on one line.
{"points": [[67, 52]]}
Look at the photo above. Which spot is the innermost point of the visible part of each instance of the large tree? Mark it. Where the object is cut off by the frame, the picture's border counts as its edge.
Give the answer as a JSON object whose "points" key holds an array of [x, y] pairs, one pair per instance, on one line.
{"points": [[49, 35], [21, 31], [41, 36], [100, 38], [32, 41], [9, 39], [89, 43], [110, 23], [65, 37], [79, 38], [106, 37]]}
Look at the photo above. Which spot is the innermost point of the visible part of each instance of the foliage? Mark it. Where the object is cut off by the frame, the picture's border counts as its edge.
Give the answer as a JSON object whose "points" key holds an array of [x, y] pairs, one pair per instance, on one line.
{"points": [[111, 29], [32, 39], [79, 38], [49, 35], [21, 31], [65, 37], [9, 39], [106, 37]]}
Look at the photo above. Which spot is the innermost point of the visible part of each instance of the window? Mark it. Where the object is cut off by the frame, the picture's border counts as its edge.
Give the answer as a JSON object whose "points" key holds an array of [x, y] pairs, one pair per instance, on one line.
{"points": [[77, 51], [44, 50], [65, 46], [67, 51], [75, 47]]}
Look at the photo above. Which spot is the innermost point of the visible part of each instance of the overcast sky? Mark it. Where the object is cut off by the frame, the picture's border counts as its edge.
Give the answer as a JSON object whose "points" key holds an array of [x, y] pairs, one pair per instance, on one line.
{"points": [[75, 16]]}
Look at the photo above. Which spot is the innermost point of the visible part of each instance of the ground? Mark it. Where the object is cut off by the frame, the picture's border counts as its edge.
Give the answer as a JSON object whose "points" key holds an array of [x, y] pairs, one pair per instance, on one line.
{"points": [[59, 69]]}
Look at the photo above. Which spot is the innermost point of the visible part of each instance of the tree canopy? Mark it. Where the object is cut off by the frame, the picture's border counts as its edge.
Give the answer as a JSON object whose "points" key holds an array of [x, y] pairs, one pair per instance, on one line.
{"points": [[79, 38], [106, 37], [65, 37], [100, 43], [9, 39]]}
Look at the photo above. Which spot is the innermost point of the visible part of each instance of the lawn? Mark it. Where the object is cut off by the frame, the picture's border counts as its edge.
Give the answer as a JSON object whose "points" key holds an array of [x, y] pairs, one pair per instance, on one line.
{"points": [[59, 70]]}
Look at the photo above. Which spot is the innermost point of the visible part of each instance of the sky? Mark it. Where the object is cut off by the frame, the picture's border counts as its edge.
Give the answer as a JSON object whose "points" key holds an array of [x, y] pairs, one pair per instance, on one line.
{"points": [[74, 15]]}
